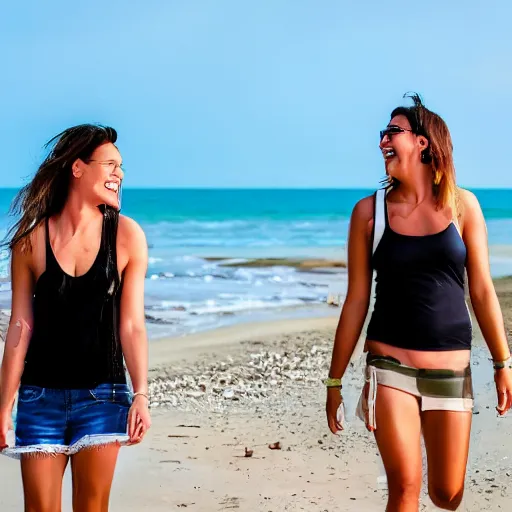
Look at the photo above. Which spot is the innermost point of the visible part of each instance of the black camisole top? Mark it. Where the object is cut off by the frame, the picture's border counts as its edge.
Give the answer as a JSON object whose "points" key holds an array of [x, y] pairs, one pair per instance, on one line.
{"points": [[75, 340], [419, 293]]}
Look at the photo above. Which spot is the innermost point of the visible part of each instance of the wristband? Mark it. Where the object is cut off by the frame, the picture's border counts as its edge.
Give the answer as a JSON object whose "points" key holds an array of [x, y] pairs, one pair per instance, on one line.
{"points": [[499, 365], [333, 383]]}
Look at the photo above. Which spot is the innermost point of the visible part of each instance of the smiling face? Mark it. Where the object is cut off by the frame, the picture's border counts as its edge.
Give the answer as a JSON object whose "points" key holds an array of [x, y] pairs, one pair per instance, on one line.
{"points": [[99, 178], [401, 148]]}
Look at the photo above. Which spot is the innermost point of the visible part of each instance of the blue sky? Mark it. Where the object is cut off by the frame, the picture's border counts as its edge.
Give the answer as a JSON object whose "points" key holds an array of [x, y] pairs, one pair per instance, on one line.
{"points": [[246, 94]]}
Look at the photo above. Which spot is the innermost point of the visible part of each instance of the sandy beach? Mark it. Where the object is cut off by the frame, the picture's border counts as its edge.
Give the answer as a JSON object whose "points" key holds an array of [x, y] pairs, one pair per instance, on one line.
{"points": [[225, 394], [224, 161]]}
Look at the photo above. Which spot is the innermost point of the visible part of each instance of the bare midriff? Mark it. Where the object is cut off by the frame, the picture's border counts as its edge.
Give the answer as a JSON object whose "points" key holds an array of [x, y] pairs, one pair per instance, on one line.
{"points": [[442, 359]]}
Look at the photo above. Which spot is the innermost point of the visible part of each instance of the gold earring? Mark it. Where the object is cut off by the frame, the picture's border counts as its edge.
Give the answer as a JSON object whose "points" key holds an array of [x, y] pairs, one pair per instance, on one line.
{"points": [[437, 177]]}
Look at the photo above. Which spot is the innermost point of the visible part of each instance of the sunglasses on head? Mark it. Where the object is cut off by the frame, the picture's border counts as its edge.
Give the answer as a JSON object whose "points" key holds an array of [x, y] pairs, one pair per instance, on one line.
{"points": [[392, 130]]}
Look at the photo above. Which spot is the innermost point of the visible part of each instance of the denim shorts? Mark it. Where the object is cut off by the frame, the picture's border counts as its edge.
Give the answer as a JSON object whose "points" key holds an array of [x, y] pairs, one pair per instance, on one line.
{"points": [[68, 420]]}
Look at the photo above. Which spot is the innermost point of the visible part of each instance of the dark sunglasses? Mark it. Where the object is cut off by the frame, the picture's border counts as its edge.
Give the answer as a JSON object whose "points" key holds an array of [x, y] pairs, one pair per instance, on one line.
{"points": [[392, 130]]}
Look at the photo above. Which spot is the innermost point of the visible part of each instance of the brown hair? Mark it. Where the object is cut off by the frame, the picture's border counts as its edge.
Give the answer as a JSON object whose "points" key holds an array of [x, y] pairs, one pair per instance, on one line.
{"points": [[439, 153], [46, 194]]}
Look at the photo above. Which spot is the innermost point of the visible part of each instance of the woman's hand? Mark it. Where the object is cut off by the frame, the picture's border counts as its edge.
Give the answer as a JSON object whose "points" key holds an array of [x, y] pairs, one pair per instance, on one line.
{"points": [[334, 400], [139, 419], [503, 380], [5, 426]]}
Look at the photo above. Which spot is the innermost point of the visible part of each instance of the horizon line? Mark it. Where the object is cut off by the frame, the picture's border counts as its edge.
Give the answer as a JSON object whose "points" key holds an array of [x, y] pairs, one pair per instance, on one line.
{"points": [[272, 188]]}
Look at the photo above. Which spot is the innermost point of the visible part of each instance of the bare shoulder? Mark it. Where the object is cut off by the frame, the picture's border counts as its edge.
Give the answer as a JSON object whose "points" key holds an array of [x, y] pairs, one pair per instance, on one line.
{"points": [[470, 213], [469, 206], [362, 214], [131, 237], [129, 228], [31, 251], [363, 209], [467, 199]]}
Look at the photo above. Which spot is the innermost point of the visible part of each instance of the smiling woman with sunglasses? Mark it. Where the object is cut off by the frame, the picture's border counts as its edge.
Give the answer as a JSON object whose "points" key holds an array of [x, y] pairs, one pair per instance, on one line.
{"points": [[78, 270], [420, 235]]}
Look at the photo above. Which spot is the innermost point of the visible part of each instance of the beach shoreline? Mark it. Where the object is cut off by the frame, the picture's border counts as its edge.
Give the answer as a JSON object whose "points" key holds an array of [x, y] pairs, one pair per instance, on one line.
{"points": [[221, 394], [211, 289], [314, 470]]}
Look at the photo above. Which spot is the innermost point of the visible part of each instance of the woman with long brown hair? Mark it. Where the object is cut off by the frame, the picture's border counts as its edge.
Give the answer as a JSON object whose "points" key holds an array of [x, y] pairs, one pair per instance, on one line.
{"points": [[77, 316], [421, 235]]}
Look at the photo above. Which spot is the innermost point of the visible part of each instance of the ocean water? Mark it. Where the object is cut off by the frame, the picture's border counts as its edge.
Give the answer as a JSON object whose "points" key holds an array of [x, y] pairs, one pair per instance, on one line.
{"points": [[185, 292]]}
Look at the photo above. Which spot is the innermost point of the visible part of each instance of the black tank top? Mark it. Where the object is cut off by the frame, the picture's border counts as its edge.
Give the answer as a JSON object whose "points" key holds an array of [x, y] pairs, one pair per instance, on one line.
{"points": [[75, 340], [419, 292]]}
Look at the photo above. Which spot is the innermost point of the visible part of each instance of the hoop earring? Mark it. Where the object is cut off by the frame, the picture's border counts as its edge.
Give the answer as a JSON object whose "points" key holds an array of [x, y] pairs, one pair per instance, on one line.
{"points": [[426, 157]]}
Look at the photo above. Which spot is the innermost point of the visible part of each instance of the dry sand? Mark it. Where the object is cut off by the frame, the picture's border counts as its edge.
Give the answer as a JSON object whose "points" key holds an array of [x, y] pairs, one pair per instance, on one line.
{"points": [[194, 456]]}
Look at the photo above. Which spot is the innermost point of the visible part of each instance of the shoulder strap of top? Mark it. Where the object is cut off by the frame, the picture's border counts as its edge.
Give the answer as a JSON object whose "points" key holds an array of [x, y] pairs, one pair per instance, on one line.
{"points": [[379, 224], [50, 258], [379, 217]]}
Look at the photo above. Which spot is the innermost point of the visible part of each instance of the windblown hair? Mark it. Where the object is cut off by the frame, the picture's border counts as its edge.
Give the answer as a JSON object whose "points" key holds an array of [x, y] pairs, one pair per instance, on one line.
{"points": [[439, 154], [46, 194]]}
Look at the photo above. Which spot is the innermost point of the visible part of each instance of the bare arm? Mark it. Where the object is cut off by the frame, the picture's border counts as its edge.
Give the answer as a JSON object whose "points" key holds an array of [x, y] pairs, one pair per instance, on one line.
{"points": [[355, 307], [481, 288], [19, 330], [132, 319]]}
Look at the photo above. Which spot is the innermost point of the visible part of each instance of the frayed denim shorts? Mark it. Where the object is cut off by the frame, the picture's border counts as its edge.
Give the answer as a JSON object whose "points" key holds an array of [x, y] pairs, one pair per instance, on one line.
{"points": [[53, 421]]}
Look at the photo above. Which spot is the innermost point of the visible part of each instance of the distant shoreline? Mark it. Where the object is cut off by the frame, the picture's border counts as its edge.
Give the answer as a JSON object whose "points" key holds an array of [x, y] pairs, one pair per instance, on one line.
{"points": [[236, 189], [297, 263]]}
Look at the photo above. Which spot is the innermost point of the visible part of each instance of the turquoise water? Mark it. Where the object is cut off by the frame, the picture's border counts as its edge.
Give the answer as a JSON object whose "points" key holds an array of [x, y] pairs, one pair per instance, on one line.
{"points": [[239, 219], [156, 205], [184, 292]]}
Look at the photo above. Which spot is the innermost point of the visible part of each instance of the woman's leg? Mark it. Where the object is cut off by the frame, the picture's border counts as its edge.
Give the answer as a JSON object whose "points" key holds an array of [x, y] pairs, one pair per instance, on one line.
{"points": [[93, 471], [446, 435], [42, 482], [398, 437]]}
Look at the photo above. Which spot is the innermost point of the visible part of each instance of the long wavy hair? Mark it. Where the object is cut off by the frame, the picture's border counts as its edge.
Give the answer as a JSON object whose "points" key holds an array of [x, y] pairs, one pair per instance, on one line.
{"points": [[47, 193], [439, 153]]}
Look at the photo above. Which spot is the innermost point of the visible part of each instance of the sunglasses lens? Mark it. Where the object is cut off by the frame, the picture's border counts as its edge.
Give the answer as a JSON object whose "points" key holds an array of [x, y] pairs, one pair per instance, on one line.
{"points": [[390, 131], [385, 132]]}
